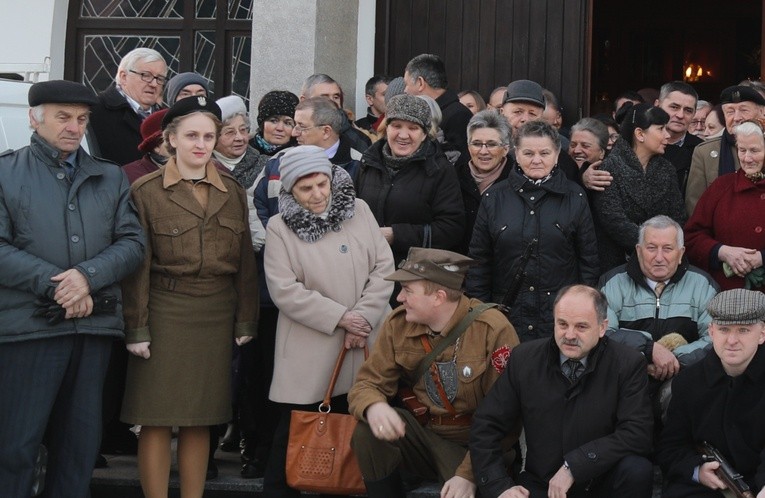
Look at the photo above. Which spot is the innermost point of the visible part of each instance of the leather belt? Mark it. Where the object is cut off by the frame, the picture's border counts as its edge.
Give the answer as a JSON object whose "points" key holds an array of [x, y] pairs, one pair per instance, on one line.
{"points": [[460, 420]]}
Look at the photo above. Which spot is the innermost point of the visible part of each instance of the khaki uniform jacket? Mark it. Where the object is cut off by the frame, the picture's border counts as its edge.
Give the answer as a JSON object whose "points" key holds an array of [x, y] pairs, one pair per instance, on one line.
{"points": [[191, 250], [704, 167], [484, 347]]}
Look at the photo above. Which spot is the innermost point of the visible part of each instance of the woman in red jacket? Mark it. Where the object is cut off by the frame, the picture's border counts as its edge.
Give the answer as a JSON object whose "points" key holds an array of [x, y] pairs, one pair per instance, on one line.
{"points": [[726, 234]]}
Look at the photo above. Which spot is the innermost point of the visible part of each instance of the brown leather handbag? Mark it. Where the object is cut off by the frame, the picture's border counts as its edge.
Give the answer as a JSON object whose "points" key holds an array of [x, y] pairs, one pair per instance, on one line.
{"points": [[319, 454]]}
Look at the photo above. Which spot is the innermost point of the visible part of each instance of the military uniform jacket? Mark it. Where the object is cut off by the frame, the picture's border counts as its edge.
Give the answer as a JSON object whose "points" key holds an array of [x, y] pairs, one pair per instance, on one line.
{"points": [[481, 355]]}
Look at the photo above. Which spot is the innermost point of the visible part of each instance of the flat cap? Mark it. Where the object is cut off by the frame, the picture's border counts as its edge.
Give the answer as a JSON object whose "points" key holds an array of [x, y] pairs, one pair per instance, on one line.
{"points": [[737, 307], [190, 105], [436, 265], [741, 93], [60, 92], [525, 91]]}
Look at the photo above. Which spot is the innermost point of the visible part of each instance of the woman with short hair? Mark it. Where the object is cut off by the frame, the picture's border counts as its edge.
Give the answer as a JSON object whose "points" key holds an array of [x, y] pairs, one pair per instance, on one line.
{"points": [[536, 211]]}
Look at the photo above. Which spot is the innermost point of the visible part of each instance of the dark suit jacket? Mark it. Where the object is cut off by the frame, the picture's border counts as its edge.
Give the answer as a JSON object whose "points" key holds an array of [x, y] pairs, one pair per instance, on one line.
{"points": [[680, 157]]}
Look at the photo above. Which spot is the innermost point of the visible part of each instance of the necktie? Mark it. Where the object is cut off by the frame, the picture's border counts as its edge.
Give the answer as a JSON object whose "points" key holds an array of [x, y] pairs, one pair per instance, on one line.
{"points": [[659, 288], [572, 369]]}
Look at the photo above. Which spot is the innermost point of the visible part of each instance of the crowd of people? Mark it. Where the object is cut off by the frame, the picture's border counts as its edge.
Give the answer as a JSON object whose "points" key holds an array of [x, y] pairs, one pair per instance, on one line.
{"points": [[556, 311]]}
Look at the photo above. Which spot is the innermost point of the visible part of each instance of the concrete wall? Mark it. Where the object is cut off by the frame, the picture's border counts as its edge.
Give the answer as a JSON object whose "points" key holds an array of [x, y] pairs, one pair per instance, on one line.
{"points": [[304, 37]]}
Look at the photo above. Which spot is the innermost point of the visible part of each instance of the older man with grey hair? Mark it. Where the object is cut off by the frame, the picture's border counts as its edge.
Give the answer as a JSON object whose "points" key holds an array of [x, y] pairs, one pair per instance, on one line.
{"points": [[135, 93], [69, 236], [657, 301]]}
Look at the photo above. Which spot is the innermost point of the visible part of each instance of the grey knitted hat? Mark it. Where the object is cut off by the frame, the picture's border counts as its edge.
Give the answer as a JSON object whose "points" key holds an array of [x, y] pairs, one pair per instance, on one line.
{"points": [[524, 91], [181, 81], [395, 87], [409, 108], [300, 161], [737, 307]]}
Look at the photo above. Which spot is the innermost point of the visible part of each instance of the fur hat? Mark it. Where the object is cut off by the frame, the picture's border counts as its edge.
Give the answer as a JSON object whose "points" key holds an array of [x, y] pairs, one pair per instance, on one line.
{"points": [[300, 161], [409, 108]]}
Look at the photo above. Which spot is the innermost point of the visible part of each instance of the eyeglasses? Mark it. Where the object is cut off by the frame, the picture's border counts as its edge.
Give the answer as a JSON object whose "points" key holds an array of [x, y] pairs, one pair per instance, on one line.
{"points": [[697, 122], [490, 146], [302, 129], [232, 132], [148, 77]]}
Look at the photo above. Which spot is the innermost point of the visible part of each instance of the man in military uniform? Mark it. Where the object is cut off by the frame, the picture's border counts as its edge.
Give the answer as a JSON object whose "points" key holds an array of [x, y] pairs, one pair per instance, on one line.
{"points": [[719, 400], [450, 388]]}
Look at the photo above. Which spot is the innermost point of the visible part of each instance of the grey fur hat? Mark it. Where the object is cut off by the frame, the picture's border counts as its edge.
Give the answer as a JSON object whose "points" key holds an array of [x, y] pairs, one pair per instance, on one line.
{"points": [[409, 108]]}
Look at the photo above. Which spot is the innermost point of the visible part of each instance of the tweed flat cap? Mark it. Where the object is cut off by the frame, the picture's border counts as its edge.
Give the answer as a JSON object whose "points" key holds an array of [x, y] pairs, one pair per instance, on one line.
{"points": [[60, 92], [409, 108], [300, 161], [737, 307], [189, 105], [524, 91], [436, 265], [181, 81], [741, 93]]}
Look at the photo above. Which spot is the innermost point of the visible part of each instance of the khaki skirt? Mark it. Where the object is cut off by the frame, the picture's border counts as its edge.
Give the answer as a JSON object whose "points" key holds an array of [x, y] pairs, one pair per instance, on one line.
{"points": [[187, 379]]}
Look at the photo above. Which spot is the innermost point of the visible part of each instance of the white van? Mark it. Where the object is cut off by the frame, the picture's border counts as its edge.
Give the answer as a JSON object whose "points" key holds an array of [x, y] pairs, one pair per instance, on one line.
{"points": [[14, 114]]}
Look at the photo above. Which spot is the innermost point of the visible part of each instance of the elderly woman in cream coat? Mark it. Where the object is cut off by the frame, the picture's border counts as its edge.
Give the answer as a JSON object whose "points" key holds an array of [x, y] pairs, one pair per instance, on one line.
{"points": [[325, 259]]}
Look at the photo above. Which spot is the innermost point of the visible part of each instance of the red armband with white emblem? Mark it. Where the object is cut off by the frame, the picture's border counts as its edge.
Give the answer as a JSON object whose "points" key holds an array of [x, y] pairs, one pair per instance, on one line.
{"points": [[500, 357]]}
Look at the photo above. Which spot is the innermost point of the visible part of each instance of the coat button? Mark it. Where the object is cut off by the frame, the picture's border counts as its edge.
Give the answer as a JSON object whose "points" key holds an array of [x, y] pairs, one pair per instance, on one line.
{"points": [[714, 153], [531, 289], [758, 229], [531, 212], [343, 248], [75, 239], [175, 231], [762, 196], [532, 197], [91, 270], [531, 327], [592, 456], [60, 176], [71, 207]]}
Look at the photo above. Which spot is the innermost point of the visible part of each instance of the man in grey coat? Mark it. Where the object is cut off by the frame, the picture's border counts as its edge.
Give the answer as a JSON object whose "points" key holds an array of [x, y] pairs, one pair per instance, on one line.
{"points": [[68, 235]]}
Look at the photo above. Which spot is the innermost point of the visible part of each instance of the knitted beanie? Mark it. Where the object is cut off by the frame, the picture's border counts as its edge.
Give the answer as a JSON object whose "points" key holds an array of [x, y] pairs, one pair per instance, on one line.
{"points": [[230, 106], [181, 81], [276, 103], [409, 108], [300, 161], [395, 87]]}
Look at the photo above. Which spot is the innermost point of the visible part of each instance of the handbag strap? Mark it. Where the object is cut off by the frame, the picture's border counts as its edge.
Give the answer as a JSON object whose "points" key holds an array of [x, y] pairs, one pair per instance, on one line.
{"points": [[324, 406], [451, 338]]}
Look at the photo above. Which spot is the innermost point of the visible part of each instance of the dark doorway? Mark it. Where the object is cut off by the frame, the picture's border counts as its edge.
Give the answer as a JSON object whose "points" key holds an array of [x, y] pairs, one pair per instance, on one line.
{"points": [[645, 44]]}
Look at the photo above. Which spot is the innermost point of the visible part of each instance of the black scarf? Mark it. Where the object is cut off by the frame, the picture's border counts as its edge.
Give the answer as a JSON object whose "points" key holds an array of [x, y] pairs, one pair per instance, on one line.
{"points": [[727, 164]]}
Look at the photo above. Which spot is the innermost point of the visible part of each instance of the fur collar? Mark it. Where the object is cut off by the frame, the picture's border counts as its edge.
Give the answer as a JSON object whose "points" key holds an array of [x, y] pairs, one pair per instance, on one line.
{"points": [[310, 227]]}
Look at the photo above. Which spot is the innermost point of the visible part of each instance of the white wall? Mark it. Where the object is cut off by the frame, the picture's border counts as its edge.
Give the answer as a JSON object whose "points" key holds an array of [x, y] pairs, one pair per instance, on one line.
{"points": [[33, 33]]}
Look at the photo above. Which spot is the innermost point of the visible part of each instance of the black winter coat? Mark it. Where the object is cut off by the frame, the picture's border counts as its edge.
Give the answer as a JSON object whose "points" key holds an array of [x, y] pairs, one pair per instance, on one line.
{"points": [[117, 127], [511, 214], [472, 197], [454, 121], [634, 196], [591, 424], [708, 405], [425, 191]]}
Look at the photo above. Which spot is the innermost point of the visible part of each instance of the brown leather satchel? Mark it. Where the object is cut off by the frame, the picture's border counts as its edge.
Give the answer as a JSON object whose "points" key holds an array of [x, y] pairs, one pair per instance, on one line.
{"points": [[319, 454]]}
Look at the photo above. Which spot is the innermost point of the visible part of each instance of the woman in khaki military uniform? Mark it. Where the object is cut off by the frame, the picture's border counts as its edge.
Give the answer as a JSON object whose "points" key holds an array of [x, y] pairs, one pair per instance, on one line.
{"points": [[195, 290]]}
